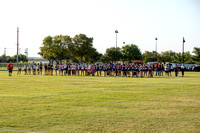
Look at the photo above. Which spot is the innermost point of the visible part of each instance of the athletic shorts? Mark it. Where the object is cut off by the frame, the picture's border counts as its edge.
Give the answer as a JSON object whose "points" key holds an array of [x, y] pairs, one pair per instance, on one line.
{"points": [[10, 70]]}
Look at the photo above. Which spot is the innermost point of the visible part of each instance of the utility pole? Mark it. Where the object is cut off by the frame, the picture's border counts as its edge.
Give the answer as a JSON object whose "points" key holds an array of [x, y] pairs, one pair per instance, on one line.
{"points": [[116, 31], [17, 44], [5, 52], [183, 50], [156, 48], [26, 52]]}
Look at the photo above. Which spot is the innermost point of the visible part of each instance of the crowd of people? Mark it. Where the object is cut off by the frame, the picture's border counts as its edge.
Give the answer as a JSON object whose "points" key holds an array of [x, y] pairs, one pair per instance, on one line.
{"points": [[99, 69]]}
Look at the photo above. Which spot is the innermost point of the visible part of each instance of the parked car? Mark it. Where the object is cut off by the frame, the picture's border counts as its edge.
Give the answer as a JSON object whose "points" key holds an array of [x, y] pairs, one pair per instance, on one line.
{"points": [[196, 68], [189, 67]]}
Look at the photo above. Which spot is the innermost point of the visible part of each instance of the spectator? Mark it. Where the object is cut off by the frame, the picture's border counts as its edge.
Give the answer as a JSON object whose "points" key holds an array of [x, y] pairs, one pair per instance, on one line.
{"points": [[10, 68]]}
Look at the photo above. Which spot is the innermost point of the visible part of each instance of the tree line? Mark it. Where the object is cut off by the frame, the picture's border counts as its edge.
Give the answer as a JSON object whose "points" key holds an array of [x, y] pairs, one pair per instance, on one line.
{"points": [[21, 58], [80, 49]]}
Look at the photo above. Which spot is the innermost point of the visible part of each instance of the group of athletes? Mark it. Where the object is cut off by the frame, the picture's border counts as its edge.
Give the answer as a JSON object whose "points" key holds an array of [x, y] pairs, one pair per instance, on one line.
{"points": [[108, 69]]}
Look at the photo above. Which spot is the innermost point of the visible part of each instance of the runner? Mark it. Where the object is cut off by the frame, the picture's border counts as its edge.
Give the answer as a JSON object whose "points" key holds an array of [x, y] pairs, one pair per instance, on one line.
{"points": [[29, 68], [41, 68], [25, 69], [19, 69], [176, 70], [38, 68]]}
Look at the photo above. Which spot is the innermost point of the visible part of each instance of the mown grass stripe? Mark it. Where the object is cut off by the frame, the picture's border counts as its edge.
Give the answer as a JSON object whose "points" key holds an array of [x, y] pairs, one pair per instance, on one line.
{"points": [[13, 130]]}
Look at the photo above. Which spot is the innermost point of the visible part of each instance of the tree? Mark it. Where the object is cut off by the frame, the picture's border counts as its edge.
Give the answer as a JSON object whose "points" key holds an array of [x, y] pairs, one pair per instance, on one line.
{"points": [[47, 50], [105, 58], [56, 48], [3, 56], [178, 58], [61, 47], [167, 56], [196, 52], [94, 55], [149, 56], [113, 54], [83, 46], [131, 52], [21, 58], [188, 57]]}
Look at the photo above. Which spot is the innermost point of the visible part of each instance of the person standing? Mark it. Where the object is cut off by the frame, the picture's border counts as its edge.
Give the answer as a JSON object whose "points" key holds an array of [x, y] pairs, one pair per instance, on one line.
{"points": [[41, 68], [10, 68], [19, 69], [34, 68], [38, 68], [182, 70], [25, 69], [29, 68], [176, 70]]}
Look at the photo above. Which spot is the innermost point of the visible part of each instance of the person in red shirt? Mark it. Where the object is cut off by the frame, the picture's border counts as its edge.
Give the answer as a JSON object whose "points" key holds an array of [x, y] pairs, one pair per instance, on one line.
{"points": [[176, 70], [10, 68]]}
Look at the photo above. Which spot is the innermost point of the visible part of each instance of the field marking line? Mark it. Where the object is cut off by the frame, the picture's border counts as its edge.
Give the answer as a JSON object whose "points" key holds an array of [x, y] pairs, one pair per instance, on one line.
{"points": [[4, 129]]}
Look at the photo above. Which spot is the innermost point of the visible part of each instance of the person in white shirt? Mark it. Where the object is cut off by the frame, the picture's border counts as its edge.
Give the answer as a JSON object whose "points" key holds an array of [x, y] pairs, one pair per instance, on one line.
{"points": [[29, 68], [65, 69], [25, 69], [34, 68], [19, 69], [182, 70], [82, 70], [69, 69]]}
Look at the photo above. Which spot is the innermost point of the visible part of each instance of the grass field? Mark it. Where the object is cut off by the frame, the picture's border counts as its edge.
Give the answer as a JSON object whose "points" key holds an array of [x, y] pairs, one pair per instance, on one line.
{"points": [[60, 104]]}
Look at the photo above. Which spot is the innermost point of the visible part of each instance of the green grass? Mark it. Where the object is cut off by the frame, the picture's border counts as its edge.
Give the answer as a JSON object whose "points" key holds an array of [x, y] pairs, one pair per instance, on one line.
{"points": [[60, 104]]}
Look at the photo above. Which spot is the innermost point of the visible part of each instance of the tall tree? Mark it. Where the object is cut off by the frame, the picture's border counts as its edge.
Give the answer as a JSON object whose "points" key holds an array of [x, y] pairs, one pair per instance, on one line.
{"points": [[167, 56], [47, 50], [61, 47], [105, 58], [131, 52], [94, 55], [56, 48], [196, 52], [178, 58], [83, 46], [149, 56], [113, 54]]}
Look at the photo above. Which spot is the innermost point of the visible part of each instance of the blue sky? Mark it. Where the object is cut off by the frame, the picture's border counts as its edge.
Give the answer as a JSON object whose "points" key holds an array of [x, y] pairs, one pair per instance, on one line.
{"points": [[138, 22]]}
